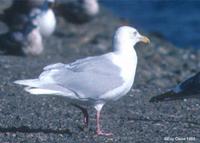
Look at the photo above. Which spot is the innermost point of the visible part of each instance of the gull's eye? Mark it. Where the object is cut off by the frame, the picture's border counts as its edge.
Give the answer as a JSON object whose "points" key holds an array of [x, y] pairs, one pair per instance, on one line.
{"points": [[135, 33]]}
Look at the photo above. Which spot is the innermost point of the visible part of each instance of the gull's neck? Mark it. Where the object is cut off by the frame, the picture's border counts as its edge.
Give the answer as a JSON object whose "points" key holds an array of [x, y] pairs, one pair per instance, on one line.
{"points": [[126, 58], [124, 48]]}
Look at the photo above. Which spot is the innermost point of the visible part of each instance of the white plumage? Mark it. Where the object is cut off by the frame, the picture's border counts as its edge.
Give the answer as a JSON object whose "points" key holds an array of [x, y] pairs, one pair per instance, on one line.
{"points": [[93, 80]]}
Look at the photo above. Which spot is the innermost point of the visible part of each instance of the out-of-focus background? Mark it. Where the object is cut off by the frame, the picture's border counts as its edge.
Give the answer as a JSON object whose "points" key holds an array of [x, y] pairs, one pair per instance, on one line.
{"points": [[175, 20]]}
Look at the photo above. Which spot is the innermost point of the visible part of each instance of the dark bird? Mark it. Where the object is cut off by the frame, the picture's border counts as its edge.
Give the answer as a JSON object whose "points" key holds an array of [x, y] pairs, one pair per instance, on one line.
{"points": [[189, 88]]}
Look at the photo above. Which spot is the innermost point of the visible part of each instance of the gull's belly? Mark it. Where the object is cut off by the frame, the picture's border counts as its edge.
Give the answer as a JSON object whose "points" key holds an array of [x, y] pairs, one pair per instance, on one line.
{"points": [[128, 74]]}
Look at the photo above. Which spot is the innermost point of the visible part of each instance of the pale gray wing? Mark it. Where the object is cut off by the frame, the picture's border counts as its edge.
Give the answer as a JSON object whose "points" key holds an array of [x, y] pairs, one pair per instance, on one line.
{"points": [[90, 77]]}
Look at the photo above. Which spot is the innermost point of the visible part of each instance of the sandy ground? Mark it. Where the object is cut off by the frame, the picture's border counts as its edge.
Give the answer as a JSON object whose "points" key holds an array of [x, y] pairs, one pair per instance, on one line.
{"points": [[28, 118]]}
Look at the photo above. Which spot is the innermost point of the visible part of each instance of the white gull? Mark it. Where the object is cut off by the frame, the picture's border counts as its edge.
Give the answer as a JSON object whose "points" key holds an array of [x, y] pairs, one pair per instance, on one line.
{"points": [[93, 80]]}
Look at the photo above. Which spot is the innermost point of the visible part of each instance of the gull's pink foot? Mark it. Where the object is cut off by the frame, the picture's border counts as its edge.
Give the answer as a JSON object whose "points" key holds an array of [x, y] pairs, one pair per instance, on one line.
{"points": [[101, 133]]}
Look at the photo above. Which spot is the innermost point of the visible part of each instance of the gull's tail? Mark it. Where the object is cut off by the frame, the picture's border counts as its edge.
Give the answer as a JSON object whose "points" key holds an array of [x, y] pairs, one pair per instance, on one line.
{"points": [[29, 82], [38, 91], [35, 86], [38, 87]]}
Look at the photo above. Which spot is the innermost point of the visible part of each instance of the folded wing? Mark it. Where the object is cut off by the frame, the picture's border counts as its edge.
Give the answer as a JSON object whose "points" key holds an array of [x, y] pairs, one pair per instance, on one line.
{"points": [[84, 79]]}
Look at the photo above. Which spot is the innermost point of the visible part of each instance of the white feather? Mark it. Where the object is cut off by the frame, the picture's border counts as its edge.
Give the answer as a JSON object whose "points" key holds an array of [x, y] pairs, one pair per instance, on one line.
{"points": [[38, 91]]}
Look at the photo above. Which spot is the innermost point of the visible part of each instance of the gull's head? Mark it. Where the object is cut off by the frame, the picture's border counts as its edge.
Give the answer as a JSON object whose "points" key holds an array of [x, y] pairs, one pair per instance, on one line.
{"points": [[129, 35]]}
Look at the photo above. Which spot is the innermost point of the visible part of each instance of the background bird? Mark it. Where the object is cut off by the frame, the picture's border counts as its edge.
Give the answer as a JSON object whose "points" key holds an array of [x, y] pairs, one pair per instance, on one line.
{"points": [[187, 89], [45, 18], [26, 41], [93, 80], [19, 12], [78, 11]]}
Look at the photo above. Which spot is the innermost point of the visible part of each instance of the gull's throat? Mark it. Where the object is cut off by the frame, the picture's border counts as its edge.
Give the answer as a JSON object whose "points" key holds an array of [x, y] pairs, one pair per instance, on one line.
{"points": [[124, 49]]}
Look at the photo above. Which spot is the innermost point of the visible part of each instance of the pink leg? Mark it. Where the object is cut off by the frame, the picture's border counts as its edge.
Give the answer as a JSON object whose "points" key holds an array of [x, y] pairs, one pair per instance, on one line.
{"points": [[85, 114], [99, 131]]}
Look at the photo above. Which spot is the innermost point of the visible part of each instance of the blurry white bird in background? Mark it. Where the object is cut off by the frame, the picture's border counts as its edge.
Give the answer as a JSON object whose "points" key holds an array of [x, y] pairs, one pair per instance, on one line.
{"points": [[27, 26], [45, 19], [19, 12], [27, 41]]}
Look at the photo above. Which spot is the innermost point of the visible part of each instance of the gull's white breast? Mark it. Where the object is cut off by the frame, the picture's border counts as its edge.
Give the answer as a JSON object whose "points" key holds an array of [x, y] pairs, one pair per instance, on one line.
{"points": [[127, 65]]}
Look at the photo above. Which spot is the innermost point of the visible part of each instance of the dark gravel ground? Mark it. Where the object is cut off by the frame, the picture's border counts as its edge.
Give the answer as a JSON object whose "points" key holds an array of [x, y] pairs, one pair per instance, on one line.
{"points": [[28, 118]]}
